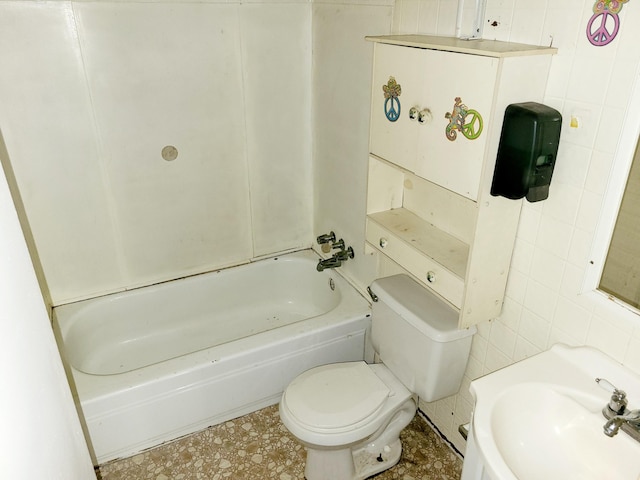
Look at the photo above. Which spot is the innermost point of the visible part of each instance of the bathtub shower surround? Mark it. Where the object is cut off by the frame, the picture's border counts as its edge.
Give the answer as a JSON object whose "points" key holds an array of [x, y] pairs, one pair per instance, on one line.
{"points": [[156, 363], [92, 94]]}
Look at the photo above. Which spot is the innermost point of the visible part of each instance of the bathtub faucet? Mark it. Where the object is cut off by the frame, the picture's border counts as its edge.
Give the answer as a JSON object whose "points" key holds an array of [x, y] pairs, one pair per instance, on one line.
{"points": [[332, 262], [345, 254], [326, 238], [336, 259]]}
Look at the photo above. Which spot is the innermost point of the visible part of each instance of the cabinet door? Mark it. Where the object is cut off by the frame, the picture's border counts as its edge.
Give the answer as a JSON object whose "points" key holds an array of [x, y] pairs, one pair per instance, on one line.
{"points": [[394, 136], [459, 90]]}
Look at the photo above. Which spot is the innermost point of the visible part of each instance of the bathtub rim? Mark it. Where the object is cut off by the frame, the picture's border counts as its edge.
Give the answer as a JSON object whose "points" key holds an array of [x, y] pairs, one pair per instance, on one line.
{"points": [[136, 315], [90, 388]]}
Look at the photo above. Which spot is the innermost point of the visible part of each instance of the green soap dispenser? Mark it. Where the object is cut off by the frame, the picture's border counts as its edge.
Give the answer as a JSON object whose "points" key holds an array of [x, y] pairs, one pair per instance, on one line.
{"points": [[527, 151]]}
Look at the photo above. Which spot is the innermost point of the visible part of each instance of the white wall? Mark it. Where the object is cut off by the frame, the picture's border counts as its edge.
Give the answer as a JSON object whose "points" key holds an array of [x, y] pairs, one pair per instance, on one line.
{"points": [[342, 65], [545, 303], [93, 91], [42, 437]]}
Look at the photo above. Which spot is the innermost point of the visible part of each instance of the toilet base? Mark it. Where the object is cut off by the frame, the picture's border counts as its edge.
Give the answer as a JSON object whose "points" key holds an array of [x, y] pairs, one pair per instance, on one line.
{"points": [[329, 464], [368, 463], [349, 464], [380, 452]]}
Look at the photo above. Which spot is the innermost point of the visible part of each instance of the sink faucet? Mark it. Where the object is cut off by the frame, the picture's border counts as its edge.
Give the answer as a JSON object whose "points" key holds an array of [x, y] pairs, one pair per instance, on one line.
{"points": [[628, 423], [618, 416]]}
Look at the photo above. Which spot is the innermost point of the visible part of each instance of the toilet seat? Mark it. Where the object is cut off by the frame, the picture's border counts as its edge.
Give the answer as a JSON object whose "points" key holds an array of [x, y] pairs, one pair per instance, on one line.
{"points": [[341, 403], [336, 396]]}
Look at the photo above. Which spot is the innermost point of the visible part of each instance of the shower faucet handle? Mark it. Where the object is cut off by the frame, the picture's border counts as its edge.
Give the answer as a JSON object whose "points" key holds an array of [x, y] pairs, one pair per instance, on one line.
{"points": [[326, 238], [339, 244], [344, 255]]}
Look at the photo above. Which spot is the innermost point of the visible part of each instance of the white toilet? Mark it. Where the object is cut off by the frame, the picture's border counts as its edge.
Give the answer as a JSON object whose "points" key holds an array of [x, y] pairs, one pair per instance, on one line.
{"points": [[349, 415]]}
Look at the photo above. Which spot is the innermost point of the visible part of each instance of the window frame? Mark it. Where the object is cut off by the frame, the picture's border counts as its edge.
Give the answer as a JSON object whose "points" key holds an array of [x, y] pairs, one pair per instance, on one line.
{"points": [[612, 199]]}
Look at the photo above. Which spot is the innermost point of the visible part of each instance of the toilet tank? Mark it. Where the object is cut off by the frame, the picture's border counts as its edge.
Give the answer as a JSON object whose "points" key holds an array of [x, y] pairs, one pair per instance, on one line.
{"points": [[416, 336]]}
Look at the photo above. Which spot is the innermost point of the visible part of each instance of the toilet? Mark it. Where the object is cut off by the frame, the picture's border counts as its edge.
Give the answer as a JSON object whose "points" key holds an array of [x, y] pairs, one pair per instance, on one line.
{"points": [[349, 415]]}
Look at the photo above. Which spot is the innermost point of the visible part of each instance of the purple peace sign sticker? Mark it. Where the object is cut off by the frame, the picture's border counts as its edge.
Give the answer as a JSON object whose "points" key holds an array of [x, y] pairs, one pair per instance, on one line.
{"points": [[603, 28]]}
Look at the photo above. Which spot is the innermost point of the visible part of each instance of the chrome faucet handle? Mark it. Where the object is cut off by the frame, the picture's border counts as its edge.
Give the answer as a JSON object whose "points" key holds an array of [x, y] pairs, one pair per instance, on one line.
{"points": [[344, 255], [339, 244], [326, 238], [618, 402]]}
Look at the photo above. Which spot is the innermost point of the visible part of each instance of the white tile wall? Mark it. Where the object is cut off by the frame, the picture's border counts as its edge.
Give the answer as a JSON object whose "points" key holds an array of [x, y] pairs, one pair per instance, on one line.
{"points": [[632, 358], [545, 302]]}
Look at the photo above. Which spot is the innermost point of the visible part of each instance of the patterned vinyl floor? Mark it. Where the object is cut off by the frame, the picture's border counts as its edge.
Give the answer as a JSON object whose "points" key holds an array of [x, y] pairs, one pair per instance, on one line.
{"points": [[257, 446]]}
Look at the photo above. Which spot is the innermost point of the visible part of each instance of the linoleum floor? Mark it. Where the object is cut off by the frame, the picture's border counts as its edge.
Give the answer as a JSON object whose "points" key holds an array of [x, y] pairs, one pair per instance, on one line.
{"points": [[258, 447]]}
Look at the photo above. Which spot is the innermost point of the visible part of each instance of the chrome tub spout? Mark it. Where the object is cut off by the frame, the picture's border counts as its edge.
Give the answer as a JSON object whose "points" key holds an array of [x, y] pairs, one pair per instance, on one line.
{"points": [[332, 262]]}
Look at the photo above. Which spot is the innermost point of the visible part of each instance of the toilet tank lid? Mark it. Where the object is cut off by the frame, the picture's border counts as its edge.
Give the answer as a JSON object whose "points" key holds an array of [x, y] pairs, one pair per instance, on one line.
{"points": [[420, 308]]}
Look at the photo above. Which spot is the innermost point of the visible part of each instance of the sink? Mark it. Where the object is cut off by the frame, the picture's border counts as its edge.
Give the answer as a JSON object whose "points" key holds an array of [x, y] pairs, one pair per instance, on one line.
{"points": [[566, 437], [542, 419]]}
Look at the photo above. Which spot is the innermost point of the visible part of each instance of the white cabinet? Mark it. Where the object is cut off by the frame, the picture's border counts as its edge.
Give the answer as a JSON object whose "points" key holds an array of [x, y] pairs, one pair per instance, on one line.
{"points": [[436, 114], [397, 139], [430, 82]]}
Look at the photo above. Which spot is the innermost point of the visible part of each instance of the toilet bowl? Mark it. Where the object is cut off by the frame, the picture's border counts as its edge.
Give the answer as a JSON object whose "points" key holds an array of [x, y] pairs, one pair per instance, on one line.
{"points": [[347, 411], [349, 415]]}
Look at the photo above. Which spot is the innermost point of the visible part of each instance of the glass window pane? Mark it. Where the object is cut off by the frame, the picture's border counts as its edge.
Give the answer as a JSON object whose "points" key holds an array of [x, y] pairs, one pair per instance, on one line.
{"points": [[621, 274]]}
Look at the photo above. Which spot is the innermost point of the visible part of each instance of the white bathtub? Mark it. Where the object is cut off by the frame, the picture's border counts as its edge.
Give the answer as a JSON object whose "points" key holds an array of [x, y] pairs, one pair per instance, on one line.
{"points": [[156, 363]]}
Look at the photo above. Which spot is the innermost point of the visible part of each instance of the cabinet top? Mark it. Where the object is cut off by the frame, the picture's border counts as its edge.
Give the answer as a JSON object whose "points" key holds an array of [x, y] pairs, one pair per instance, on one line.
{"points": [[487, 48]]}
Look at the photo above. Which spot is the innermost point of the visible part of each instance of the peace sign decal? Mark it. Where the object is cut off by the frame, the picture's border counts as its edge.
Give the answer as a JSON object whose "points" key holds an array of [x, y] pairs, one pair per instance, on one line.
{"points": [[392, 91], [604, 24], [463, 119]]}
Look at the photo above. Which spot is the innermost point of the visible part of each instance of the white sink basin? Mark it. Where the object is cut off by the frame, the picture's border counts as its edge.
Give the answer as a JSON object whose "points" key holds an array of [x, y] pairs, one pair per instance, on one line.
{"points": [[541, 419]]}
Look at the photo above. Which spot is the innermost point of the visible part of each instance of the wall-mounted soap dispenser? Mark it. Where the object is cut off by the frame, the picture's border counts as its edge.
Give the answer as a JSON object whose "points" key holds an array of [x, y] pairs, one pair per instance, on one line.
{"points": [[527, 151]]}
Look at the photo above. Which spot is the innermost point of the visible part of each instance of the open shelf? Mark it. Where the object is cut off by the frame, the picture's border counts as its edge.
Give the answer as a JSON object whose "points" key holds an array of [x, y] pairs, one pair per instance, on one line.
{"points": [[429, 240]]}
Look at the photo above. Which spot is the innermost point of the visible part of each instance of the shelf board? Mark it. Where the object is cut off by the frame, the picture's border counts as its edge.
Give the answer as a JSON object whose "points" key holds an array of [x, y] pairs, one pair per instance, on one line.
{"points": [[429, 240], [487, 48]]}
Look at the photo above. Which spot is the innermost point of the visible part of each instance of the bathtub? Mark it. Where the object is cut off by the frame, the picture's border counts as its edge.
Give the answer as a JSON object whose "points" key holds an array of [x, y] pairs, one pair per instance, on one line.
{"points": [[152, 364]]}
